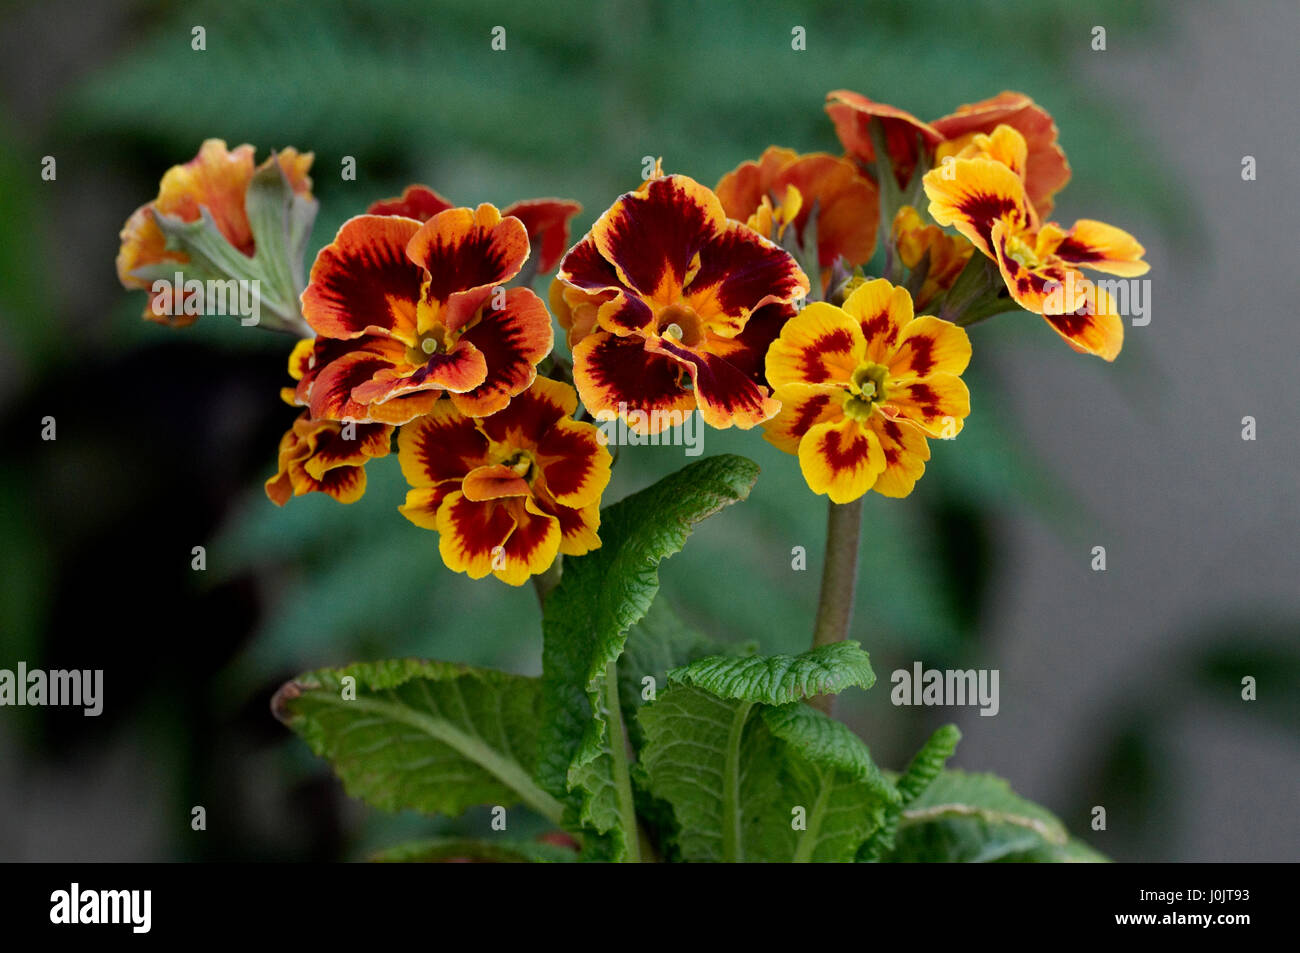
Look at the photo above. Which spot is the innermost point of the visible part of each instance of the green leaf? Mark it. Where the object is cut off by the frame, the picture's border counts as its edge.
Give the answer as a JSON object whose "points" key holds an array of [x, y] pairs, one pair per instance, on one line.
{"points": [[657, 644], [739, 774], [426, 736], [720, 769], [846, 796], [924, 767], [458, 848], [974, 818], [586, 619], [781, 679]]}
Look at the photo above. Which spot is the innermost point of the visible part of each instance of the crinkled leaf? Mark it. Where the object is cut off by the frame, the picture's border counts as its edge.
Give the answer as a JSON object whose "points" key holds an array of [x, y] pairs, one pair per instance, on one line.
{"points": [[844, 794], [718, 764], [781, 679], [586, 619], [963, 817], [426, 736], [456, 848], [924, 767], [657, 644]]}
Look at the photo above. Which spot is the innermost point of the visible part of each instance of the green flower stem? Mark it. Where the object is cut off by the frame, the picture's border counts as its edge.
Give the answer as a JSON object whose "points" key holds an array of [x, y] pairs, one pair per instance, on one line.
{"points": [[839, 579], [622, 774]]}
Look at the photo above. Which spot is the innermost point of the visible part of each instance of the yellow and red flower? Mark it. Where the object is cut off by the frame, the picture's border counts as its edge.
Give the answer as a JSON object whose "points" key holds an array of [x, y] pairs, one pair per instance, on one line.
{"points": [[319, 456], [405, 312], [862, 386], [215, 179], [1046, 169], [984, 198], [783, 188], [545, 220], [681, 284], [509, 492]]}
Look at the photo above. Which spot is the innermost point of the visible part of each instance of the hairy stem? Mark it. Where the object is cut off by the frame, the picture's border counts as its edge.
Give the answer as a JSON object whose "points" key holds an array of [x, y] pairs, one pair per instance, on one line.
{"points": [[839, 578]]}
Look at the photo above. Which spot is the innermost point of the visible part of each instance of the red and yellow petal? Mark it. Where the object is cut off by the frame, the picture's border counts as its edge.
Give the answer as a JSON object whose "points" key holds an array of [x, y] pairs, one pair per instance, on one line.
{"points": [[938, 404], [547, 224], [465, 254], [532, 545], [929, 345], [1046, 169], [416, 201], [440, 446], [423, 502], [740, 271], [822, 344], [906, 451], [363, 280], [530, 414], [494, 481], [459, 370], [472, 536], [802, 408], [652, 237], [331, 390], [216, 179], [574, 463], [852, 114], [881, 311], [331, 449], [314, 458], [972, 195], [512, 340], [1102, 247], [747, 351], [841, 459], [725, 395], [617, 376], [578, 528]]}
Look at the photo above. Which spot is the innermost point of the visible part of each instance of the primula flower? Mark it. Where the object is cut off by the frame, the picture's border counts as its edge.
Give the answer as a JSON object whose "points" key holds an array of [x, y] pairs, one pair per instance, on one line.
{"points": [[316, 456], [862, 386], [681, 283], [783, 188], [1046, 172], [405, 312], [509, 492], [545, 220], [984, 198], [215, 179], [948, 254]]}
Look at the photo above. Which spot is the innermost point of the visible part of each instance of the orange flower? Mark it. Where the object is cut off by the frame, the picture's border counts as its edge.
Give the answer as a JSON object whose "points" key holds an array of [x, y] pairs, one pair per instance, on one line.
{"points": [[683, 283], [1046, 172], [948, 254], [546, 220], [321, 456], [405, 312], [862, 386], [983, 196], [216, 180], [509, 492], [846, 203]]}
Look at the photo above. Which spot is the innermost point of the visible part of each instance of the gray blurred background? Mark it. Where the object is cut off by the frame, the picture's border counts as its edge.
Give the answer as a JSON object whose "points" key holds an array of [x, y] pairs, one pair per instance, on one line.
{"points": [[1119, 689]]}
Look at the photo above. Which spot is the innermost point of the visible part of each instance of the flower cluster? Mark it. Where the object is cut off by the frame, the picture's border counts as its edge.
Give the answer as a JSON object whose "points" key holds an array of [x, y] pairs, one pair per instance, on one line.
{"points": [[764, 302]]}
